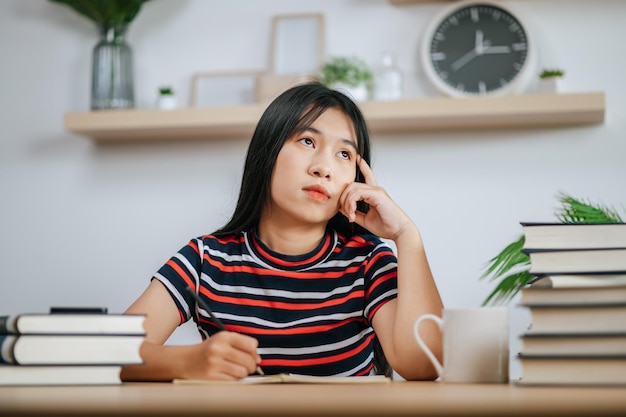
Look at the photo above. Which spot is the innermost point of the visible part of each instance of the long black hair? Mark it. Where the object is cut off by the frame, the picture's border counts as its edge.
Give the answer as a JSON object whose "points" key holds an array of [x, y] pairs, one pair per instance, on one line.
{"points": [[294, 111]]}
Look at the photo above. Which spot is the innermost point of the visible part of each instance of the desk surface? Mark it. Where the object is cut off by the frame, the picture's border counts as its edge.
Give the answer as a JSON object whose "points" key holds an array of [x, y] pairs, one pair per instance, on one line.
{"points": [[395, 399]]}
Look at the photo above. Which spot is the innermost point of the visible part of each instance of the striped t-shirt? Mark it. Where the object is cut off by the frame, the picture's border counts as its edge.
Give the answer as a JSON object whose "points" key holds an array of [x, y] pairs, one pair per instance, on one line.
{"points": [[311, 313]]}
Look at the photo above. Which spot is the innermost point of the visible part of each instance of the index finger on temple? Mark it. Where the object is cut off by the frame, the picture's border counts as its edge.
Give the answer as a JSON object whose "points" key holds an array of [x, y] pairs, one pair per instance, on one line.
{"points": [[368, 174]]}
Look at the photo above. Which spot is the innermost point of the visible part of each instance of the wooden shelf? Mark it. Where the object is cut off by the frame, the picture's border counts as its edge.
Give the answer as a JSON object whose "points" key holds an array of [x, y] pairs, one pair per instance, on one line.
{"points": [[401, 2], [441, 113]]}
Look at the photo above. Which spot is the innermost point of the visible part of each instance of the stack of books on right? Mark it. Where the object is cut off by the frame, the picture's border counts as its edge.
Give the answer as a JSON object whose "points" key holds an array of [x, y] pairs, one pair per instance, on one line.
{"points": [[577, 304]]}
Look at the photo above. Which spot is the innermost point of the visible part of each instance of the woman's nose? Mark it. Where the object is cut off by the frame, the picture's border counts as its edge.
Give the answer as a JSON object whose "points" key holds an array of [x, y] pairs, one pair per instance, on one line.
{"points": [[320, 169]]}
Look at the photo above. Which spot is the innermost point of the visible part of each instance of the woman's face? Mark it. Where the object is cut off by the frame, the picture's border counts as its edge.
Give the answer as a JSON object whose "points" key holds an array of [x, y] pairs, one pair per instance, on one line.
{"points": [[312, 170]]}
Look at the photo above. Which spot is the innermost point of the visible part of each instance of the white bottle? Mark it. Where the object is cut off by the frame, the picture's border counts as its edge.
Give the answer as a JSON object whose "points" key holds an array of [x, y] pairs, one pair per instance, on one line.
{"points": [[388, 80]]}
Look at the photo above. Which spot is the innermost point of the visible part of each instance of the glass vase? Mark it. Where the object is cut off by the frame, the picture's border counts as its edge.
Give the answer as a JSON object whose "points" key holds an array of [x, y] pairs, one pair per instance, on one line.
{"points": [[112, 71]]}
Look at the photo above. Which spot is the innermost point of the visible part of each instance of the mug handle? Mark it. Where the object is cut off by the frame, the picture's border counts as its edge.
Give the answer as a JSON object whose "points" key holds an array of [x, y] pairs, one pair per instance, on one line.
{"points": [[438, 366]]}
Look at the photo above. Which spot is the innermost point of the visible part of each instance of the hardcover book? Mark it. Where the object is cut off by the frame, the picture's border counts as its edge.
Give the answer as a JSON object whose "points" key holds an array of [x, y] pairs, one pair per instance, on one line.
{"points": [[613, 344], [587, 319], [609, 370], [70, 349], [574, 235], [72, 324], [577, 296], [577, 261], [59, 375], [578, 280]]}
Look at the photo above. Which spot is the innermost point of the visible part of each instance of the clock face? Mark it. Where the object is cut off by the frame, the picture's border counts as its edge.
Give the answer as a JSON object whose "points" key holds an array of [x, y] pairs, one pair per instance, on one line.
{"points": [[477, 48]]}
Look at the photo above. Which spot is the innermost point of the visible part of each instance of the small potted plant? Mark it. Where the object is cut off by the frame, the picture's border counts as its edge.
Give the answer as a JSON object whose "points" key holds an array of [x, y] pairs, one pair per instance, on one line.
{"points": [[166, 99], [350, 75], [551, 80]]}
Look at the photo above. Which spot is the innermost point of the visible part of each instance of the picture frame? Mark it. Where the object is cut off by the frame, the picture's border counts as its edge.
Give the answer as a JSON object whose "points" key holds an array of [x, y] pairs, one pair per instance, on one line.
{"points": [[216, 89], [297, 43]]}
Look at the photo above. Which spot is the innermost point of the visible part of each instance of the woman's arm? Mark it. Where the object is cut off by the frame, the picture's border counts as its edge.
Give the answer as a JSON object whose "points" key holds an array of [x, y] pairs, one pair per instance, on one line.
{"points": [[417, 295], [224, 356], [417, 292]]}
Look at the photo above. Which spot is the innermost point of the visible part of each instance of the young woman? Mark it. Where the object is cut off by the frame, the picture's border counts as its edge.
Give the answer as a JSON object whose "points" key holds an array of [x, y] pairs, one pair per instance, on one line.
{"points": [[299, 276]]}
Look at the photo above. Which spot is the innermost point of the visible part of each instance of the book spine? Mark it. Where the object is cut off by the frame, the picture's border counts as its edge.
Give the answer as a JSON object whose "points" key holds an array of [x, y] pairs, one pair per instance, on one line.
{"points": [[8, 324], [4, 324], [6, 349]]}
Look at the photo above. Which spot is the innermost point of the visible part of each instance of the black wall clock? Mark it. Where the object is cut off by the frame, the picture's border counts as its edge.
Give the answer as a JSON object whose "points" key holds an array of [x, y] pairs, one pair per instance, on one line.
{"points": [[478, 48]]}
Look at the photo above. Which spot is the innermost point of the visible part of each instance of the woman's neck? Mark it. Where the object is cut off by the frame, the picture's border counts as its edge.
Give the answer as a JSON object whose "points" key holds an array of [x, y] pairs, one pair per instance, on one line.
{"points": [[291, 240]]}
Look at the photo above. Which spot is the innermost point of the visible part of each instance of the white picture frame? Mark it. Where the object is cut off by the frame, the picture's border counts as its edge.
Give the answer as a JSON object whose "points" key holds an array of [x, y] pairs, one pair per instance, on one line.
{"points": [[218, 89], [297, 44]]}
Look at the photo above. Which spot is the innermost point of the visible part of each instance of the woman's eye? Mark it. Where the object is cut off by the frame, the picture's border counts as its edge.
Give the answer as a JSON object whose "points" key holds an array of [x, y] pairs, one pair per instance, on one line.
{"points": [[345, 155], [307, 141]]}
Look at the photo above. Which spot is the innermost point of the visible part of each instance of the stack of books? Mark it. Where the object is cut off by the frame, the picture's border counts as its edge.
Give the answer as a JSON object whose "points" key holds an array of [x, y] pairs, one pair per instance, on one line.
{"points": [[577, 305], [73, 348]]}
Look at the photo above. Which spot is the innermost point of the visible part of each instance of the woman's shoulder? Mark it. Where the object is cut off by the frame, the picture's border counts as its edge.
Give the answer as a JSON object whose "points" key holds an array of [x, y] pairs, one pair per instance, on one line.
{"points": [[228, 238], [215, 240], [363, 240]]}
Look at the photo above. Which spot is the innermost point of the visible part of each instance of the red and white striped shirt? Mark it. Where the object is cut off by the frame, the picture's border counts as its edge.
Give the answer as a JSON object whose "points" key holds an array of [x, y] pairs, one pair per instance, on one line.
{"points": [[311, 313]]}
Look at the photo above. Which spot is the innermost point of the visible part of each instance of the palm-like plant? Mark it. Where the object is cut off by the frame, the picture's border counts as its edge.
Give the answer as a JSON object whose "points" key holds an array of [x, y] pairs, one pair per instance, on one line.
{"points": [[510, 267]]}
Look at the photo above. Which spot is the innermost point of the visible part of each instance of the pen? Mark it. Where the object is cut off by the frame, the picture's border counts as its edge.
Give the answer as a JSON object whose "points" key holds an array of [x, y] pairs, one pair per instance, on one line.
{"points": [[217, 321]]}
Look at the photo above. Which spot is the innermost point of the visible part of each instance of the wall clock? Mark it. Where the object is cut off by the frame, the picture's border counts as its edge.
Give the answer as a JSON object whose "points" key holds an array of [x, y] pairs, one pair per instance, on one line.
{"points": [[478, 48]]}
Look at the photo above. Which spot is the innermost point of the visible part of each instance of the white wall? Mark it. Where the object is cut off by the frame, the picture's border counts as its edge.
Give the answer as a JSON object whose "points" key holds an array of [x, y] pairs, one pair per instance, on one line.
{"points": [[87, 224]]}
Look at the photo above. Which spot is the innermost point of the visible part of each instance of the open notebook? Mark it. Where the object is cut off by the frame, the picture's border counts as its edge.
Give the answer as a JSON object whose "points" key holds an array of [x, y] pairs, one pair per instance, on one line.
{"points": [[295, 379]]}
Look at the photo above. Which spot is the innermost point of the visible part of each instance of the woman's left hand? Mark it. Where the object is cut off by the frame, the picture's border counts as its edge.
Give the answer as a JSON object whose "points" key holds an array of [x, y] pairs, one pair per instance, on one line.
{"points": [[384, 218]]}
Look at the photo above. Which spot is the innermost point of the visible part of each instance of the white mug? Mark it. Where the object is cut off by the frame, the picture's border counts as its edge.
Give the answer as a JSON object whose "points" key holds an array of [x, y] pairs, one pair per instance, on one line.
{"points": [[475, 344]]}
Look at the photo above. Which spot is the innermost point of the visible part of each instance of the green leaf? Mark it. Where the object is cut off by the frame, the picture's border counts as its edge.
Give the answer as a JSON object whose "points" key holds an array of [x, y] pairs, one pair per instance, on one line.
{"points": [[503, 263], [508, 287], [578, 211]]}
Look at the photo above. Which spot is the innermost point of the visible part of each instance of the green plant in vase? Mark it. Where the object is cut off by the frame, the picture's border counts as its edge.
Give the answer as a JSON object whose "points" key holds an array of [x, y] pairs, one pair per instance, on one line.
{"points": [[509, 268], [166, 99], [349, 74], [551, 80], [112, 72]]}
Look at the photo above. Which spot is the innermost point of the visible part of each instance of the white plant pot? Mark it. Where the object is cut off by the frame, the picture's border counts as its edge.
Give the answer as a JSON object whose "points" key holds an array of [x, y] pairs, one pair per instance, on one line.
{"points": [[552, 85], [358, 93], [168, 102]]}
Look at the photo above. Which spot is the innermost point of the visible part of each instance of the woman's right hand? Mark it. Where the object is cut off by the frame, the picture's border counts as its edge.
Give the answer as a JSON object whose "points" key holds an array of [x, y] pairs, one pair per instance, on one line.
{"points": [[224, 356]]}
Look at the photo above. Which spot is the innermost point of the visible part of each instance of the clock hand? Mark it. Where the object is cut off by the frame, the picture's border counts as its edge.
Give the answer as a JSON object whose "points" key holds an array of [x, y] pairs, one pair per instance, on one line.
{"points": [[465, 59], [497, 50], [456, 65], [478, 44]]}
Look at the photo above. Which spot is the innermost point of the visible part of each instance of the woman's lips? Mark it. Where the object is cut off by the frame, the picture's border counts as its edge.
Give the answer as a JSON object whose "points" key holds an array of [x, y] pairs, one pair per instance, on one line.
{"points": [[317, 192]]}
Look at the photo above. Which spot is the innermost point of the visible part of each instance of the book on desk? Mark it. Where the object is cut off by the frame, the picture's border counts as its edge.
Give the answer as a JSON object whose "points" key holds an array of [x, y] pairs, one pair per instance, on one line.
{"points": [[87, 349], [72, 323], [573, 370], [577, 261], [72, 348], [558, 236]]}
